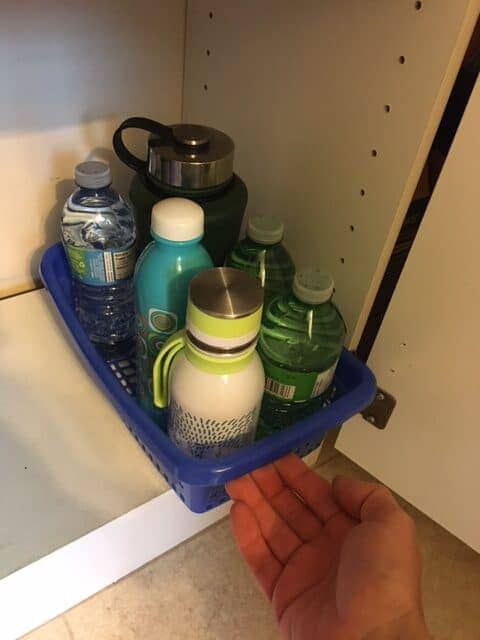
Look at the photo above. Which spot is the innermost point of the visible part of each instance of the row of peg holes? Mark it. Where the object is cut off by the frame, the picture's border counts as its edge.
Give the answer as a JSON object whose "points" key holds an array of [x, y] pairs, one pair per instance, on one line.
{"points": [[207, 51], [387, 107], [374, 154]]}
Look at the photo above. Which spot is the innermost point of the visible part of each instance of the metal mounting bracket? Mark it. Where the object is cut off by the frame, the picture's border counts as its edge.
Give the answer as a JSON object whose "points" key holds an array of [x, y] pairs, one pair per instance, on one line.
{"points": [[378, 413]]}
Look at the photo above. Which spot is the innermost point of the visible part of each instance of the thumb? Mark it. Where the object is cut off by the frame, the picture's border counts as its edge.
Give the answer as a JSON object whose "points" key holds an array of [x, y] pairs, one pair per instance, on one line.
{"points": [[364, 500]]}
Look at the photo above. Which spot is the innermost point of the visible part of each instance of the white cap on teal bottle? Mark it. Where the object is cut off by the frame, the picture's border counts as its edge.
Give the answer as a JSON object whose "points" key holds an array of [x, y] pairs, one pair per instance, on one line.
{"points": [[177, 220], [313, 286], [265, 229]]}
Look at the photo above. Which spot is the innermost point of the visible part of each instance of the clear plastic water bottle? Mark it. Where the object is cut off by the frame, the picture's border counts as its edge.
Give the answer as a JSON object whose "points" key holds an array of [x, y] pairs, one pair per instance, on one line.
{"points": [[98, 233], [301, 339], [262, 255]]}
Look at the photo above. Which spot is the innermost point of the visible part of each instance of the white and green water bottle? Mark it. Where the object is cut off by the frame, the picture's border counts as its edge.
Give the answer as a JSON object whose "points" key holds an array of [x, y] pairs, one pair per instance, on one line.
{"points": [[301, 340], [210, 374], [262, 255], [162, 277]]}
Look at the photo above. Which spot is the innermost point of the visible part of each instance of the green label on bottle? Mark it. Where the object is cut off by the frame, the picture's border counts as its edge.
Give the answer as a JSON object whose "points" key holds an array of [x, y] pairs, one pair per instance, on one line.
{"points": [[99, 268], [294, 386], [153, 330]]}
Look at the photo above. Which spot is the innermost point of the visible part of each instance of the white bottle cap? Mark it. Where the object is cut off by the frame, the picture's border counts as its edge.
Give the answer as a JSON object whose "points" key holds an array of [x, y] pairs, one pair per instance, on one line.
{"points": [[265, 229], [177, 219], [313, 286]]}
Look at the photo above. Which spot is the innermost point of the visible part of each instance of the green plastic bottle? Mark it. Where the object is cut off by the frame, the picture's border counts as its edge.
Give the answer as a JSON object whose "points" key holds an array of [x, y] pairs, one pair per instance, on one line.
{"points": [[301, 339], [262, 255]]}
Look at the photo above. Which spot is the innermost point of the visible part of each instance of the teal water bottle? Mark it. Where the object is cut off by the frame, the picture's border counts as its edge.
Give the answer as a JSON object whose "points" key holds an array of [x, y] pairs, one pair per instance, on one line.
{"points": [[262, 255], [162, 278], [301, 339]]}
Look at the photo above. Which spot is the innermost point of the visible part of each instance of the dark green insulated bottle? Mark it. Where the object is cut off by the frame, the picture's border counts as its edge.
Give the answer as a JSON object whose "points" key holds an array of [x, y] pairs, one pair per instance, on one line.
{"points": [[189, 161]]}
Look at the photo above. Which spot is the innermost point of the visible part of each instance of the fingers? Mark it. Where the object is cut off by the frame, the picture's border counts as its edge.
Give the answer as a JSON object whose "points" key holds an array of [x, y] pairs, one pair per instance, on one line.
{"points": [[263, 564], [364, 500], [268, 480], [288, 506], [277, 534], [314, 490]]}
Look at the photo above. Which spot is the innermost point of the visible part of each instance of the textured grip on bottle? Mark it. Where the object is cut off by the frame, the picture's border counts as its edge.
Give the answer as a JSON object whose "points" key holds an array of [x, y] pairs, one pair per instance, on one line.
{"points": [[161, 368]]}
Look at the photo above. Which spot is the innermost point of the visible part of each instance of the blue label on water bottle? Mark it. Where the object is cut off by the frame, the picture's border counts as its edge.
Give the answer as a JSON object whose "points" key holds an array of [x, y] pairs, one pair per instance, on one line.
{"points": [[101, 267]]}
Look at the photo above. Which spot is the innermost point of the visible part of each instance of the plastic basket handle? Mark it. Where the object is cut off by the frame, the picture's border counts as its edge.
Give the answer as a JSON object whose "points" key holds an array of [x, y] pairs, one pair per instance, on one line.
{"points": [[161, 368]]}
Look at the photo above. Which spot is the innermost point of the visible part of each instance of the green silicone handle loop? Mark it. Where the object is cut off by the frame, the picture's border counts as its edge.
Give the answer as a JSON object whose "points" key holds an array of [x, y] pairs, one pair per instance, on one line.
{"points": [[161, 368]]}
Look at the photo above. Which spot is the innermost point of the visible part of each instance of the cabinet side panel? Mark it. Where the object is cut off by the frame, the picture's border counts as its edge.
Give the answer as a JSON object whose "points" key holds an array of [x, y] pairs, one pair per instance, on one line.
{"points": [[333, 106]]}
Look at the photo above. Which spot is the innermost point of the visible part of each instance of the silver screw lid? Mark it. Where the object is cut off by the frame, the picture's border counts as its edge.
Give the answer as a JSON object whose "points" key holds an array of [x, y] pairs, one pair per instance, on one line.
{"points": [[227, 293], [191, 135], [194, 157]]}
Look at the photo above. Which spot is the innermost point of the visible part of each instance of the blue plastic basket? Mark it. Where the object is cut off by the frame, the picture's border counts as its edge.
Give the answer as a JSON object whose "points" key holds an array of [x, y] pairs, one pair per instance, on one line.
{"points": [[200, 483]]}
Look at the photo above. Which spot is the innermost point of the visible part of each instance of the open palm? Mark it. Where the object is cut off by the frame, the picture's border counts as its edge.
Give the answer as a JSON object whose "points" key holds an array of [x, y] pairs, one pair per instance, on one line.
{"points": [[338, 561]]}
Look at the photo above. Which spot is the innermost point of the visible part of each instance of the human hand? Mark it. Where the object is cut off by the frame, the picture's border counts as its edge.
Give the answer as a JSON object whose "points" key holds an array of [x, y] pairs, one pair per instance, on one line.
{"points": [[337, 561]]}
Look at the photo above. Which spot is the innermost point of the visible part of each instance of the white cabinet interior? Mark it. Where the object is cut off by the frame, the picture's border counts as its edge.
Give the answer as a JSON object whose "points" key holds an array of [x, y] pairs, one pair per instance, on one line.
{"points": [[70, 72], [332, 106]]}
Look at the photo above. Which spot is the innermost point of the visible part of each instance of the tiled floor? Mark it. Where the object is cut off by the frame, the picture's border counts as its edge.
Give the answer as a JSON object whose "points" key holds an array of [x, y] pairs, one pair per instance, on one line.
{"points": [[202, 591]]}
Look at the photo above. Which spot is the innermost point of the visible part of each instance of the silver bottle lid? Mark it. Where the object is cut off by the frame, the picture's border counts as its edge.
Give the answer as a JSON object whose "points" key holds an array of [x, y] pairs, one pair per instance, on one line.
{"points": [[194, 157], [227, 293]]}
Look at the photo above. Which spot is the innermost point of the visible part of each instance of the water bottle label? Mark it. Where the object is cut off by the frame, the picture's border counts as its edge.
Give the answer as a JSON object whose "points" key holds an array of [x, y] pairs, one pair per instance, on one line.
{"points": [[297, 387], [100, 268]]}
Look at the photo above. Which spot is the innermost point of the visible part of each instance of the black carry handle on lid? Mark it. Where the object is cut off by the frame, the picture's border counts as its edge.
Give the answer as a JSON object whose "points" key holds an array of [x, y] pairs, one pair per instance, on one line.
{"points": [[145, 124]]}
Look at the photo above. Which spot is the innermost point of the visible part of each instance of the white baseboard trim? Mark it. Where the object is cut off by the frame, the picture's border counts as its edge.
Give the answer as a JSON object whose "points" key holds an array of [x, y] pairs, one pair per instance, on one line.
{"points": [[46, 588]]}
